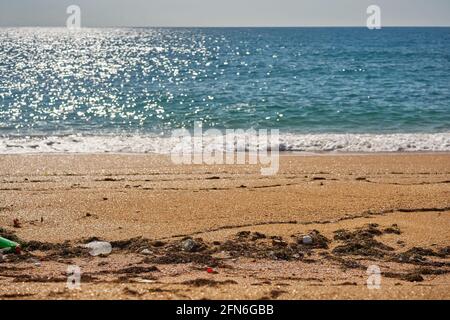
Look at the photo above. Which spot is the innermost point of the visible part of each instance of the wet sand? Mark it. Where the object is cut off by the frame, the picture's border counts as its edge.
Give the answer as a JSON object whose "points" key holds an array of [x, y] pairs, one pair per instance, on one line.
{"points": [[169, 223]]}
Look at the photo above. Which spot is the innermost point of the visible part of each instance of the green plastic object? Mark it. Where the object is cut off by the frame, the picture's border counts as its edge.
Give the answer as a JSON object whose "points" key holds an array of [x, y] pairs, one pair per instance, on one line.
{"points": [[9, 246]]}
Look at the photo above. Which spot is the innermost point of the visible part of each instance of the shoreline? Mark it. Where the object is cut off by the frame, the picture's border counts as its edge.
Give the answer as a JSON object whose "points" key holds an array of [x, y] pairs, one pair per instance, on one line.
{"points": [[287, 142], [281, 153]]}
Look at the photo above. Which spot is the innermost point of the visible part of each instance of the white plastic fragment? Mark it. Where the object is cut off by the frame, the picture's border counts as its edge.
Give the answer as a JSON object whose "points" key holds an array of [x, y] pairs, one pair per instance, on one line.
{"points": [[146, 252], [99, 248]]}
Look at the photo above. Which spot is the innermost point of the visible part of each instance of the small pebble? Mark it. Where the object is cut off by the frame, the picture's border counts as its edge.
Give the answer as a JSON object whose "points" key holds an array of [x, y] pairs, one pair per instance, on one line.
{"points": [[188, 245], [307, 240], [16, 223]]}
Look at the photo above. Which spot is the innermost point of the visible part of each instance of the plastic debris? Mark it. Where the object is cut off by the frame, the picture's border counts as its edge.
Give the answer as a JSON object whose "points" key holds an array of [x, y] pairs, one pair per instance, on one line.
{"points": [[210, 270], [145, 281], [99, 248], [307, 240], [36, 262], [146, 252], [7, 246]]}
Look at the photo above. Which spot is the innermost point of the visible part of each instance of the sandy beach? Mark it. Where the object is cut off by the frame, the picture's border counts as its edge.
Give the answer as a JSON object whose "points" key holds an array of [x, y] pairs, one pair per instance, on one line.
{"points": [[227, 232]]}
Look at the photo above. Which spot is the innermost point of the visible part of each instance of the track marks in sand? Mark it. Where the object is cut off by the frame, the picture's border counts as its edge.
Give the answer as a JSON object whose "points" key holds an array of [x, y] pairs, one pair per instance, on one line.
{"points": [[357, 216], [205, 181], [403, 184]]}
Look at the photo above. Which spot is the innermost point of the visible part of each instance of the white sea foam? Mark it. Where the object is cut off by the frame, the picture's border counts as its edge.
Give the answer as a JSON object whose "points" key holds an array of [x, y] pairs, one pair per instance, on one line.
{"points": [[406, 142]]}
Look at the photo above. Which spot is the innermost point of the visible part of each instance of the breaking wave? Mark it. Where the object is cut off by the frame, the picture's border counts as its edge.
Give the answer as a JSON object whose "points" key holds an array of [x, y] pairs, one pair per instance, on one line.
{"points": [[330, 143]]}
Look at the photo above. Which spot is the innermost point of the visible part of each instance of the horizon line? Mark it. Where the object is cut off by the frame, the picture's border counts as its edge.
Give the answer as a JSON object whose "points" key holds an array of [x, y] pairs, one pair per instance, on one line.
{"points": [[224, 27]]}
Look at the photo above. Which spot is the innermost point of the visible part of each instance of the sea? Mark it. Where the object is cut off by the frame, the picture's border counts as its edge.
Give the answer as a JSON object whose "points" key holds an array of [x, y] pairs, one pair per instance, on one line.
{"points": [[127, 89]]}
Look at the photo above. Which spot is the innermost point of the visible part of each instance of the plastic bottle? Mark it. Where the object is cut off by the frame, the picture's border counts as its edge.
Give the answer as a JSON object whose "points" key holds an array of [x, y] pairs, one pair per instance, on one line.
{"points": [[7, 246]]}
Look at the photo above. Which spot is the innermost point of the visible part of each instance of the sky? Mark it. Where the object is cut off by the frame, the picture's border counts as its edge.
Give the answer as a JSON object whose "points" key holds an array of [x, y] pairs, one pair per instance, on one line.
{"points": [[224, 13]]}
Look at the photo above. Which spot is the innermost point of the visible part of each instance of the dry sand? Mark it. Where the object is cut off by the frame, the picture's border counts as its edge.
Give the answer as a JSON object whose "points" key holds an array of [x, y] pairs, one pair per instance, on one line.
{"points": [[392, 211]]}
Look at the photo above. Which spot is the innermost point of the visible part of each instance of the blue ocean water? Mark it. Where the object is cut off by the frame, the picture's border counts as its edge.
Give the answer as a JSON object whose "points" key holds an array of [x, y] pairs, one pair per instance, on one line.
{"points": [[314, 82]]}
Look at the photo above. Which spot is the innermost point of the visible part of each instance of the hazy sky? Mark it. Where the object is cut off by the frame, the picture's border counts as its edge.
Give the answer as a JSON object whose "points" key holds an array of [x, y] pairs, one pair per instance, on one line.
{"points": [[224, 12]]}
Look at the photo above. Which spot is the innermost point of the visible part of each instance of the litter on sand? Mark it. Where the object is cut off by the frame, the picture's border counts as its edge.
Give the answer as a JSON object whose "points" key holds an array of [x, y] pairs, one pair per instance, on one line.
{"points": [[98, 248], [8, 246]]}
